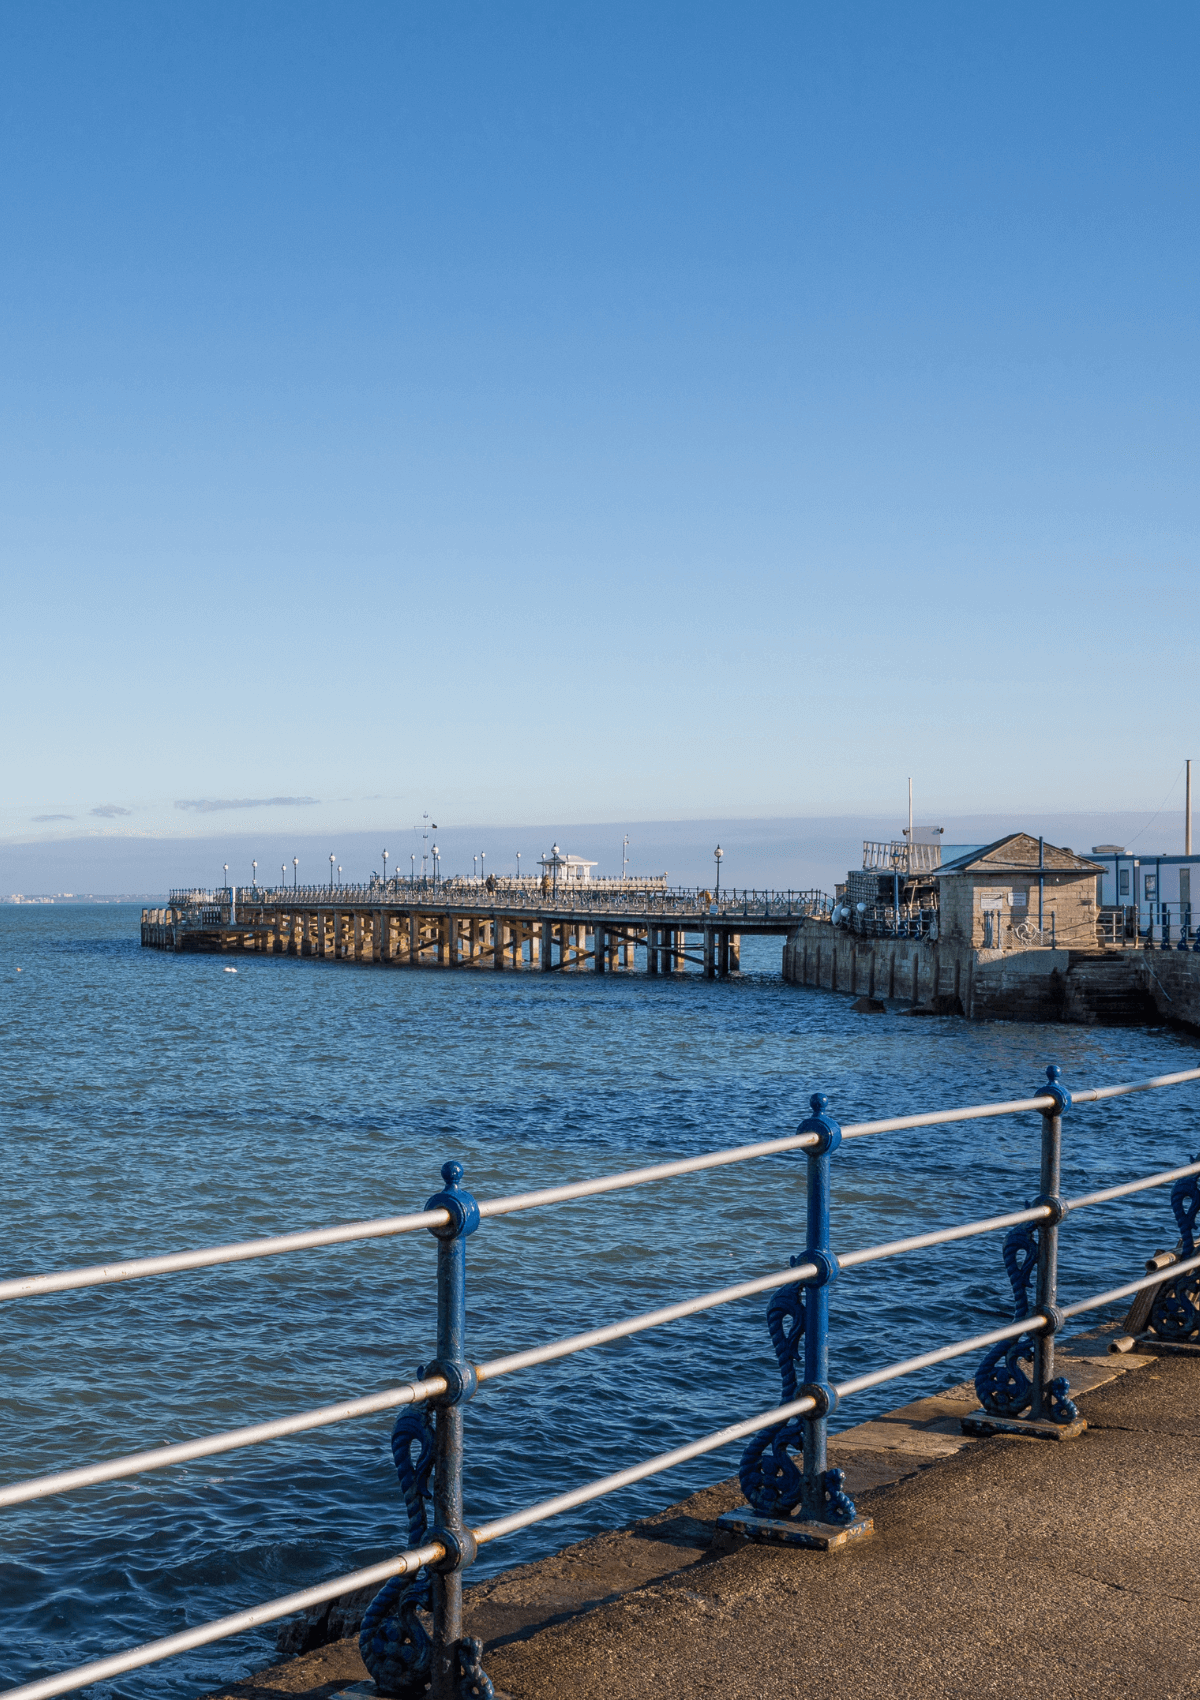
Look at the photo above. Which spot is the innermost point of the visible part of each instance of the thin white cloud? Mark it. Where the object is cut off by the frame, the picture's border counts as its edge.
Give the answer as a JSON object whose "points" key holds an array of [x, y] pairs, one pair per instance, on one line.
{"points": [[53, 817], [210, 805], [108, 810]]}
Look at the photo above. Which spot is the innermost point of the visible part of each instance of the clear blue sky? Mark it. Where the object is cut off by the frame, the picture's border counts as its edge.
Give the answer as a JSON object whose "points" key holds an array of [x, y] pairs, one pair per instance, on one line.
{"points": [[541, 412]]}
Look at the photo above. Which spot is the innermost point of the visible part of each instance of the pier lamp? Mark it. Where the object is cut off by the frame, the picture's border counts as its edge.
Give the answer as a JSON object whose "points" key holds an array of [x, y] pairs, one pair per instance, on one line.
{"points": [[518, 865], [434, 853], [283, 876], [226, 867], [413, 860], [717, 854], [331, 855], [254, 865], [339, 873], [482, 854], [474, 867], [385, 867], [295, 872]]}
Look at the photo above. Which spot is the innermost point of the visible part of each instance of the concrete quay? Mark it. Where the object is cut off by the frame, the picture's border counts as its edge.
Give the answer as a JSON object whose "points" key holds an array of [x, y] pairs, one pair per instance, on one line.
{"points": [[997, 1567]]}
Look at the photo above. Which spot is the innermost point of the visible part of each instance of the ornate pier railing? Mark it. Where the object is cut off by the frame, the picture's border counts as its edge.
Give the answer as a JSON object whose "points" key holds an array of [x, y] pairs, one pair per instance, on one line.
{"points": [[412, 1635], [198, 907]]}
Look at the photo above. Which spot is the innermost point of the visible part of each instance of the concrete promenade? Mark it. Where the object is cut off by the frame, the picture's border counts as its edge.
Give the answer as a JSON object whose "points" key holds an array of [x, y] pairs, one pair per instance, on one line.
{"points": [[997, 1567]]}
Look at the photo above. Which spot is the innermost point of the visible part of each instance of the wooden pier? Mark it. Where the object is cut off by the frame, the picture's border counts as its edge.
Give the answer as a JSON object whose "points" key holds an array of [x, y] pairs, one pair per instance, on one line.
{"points": [[462, 924]]}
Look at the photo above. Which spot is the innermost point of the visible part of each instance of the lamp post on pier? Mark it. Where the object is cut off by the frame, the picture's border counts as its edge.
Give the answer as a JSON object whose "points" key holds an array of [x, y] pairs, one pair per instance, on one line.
{"points": [[717, 855], [331, 856], [482, 854], [283, 876], [624, 857], [254, 865], [474, 867], [518, 867], [385, 870], [434, 854], [226, 866], [295, 873], [413, 860]]}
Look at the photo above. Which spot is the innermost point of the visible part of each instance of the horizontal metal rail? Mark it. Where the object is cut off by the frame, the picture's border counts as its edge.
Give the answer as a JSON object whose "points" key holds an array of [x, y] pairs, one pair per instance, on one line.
{"points": [[133, 1269], [1106, 1194], [638, 1472], [856, 1384], [150, 1652], [1168, 1273], [231, 1440], [30, 1286]]}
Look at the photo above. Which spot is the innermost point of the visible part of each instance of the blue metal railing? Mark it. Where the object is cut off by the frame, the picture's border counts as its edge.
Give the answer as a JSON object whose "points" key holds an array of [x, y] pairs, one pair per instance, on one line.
{"points": [[1016, 1381]]}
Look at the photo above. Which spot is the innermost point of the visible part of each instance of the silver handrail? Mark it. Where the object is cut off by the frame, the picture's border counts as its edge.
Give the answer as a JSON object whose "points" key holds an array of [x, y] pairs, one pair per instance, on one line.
{"points": [[30, 1286]]}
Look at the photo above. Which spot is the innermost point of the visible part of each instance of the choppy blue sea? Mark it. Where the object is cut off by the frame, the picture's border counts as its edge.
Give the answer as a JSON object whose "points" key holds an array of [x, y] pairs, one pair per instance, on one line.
{"points": [[153, 1102]]}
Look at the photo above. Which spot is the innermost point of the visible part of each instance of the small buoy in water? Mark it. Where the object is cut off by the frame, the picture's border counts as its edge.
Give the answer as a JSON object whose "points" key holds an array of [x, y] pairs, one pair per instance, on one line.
{"points": [[20, 970], [231, 970]]}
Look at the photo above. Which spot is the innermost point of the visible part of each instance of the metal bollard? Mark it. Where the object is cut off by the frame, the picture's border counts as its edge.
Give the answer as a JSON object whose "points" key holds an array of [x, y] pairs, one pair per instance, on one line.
{"points": [[451, 1656]]}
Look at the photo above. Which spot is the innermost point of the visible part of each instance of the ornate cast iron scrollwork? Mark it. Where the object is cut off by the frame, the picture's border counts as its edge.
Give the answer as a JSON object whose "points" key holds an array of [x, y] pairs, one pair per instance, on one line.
{"points": [[394, 1643], [1175, 1314], [768, 1475], [1001, 1382]]}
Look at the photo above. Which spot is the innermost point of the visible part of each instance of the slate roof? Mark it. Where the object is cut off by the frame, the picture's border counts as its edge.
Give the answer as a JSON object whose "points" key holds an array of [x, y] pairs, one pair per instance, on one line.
{"points": [[1017, 853]]}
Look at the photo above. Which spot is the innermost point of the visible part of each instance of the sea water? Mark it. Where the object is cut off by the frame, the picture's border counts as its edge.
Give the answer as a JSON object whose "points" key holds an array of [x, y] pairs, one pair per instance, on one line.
{"points": [[154, 1102]]}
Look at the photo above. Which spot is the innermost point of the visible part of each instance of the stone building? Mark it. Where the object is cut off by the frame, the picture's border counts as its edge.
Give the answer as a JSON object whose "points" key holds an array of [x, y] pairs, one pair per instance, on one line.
{"points": [[1018, 892]]}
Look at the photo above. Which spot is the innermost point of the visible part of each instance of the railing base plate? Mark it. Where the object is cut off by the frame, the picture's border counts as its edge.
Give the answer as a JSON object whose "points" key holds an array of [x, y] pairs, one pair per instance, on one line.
{"points": [[1166, 1348], [789, 1531], [983, 1423]]}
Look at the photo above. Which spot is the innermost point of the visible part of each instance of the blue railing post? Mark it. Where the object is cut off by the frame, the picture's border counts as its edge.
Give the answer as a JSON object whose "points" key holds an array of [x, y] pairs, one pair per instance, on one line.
{"points": [[1047, 1245], [1005, 1391], [449, 1654], [798, 1319], [393, 1641], [816, 1308]]}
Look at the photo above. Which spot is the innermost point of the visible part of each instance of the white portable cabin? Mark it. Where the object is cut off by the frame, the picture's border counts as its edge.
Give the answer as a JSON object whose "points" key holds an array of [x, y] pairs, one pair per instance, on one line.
{"points": [[1163, 888]]}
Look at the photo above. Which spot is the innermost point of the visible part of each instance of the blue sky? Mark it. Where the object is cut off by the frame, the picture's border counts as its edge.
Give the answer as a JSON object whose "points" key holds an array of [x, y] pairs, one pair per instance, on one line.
{"points": [[543, 413]]}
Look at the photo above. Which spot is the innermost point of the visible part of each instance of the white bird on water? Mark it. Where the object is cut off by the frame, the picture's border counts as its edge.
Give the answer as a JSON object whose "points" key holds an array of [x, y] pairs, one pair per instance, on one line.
{"points": [[231, 970]]}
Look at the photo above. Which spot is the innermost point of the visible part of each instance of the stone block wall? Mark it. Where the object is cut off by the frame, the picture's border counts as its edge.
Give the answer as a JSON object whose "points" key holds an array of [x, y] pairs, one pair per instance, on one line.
{"points": [[1124, 988]]}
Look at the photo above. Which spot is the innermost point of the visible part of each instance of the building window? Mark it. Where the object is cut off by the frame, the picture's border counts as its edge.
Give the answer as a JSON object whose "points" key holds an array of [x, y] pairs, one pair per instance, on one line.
{"points": [[1150, 887], [1123, 886]]}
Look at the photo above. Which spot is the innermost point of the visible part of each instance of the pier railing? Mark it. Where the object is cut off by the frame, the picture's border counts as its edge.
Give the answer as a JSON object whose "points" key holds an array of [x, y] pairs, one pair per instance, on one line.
{"points": [[897, 855], [411, 1636], [197, 908]]}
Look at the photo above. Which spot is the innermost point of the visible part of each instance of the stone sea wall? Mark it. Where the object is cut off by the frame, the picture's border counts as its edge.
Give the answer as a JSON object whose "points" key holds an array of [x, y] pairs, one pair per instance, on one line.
{"points": [[947, 976]]}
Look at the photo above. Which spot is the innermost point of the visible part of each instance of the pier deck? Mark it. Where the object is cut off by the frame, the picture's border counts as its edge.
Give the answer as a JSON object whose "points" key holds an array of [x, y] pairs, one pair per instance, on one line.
{"points": [[420, 923]]}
